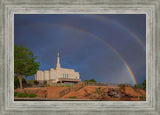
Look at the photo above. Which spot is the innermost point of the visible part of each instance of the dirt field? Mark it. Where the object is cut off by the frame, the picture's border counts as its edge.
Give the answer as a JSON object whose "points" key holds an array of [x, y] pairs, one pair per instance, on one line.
{"points": [[87, 92]]}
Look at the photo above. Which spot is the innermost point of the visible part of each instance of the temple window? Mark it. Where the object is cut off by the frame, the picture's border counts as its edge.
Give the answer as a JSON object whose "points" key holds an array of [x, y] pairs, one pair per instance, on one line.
{"points": [[53, 76]]}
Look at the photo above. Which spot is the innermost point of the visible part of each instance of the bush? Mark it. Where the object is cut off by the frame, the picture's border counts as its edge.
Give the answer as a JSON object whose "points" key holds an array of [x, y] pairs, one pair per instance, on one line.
{"points": [[36, 82], [15, 87], [98, 91], [86, 82], [21, 95], [92, 80], [32, 95], [15, 93], [73, 97], [31, 81], [62, 86], [141, 97], [68, 85], [45, 82], [144, 84]]}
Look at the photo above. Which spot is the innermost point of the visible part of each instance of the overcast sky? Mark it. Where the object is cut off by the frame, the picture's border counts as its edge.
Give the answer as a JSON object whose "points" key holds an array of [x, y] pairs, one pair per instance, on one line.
{"points": [[96, 46]]}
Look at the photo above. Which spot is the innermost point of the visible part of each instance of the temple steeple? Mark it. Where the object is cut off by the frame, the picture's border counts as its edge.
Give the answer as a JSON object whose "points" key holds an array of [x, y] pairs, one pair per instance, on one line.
{"points": [[58, 63]]}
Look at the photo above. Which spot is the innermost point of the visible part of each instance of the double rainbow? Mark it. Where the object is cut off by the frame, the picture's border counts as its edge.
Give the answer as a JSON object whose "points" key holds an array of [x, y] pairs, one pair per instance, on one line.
{"points": [[104, 42]]}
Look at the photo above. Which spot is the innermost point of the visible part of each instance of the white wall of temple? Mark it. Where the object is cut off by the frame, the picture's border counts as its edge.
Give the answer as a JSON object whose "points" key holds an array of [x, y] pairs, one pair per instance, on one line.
{"points": [[67, 73], [77, 75], [39, 75], [54, 74], [46, 75]]}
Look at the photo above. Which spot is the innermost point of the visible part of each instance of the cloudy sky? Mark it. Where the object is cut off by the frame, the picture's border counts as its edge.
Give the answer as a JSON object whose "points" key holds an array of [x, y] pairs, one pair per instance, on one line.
{"points": [[109, 48]]}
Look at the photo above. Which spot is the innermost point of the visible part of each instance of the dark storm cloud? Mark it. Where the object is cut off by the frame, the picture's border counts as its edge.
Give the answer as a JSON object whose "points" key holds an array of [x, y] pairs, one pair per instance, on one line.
{"points": [[82, 42]]}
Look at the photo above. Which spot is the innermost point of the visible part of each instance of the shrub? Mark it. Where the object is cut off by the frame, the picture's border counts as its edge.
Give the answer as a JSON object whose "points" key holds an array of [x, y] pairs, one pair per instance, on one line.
{"points": [[92, 80], [62, 86], [86, 82], [144, 84], [98, 91], [32, 95], [141, 97], [72, 97], [15, 87], [68, 85], [15, 93], [21, 95], [45, 82], [36, 82], [31, 81]]}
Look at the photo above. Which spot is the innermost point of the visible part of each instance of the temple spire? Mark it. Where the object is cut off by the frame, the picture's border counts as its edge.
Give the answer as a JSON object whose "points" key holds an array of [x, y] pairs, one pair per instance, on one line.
{"points": [[58, 62]]}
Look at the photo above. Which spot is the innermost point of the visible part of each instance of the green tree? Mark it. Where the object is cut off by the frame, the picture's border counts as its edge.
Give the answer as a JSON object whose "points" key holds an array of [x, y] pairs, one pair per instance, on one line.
{"points": [[144, 84], [92, 80], [24, 63], [138, 86], [86, 82], [16, 81], [135, 86]]}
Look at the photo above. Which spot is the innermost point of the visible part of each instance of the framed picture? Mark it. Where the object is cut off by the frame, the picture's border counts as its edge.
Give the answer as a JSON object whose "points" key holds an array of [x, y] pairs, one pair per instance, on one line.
{"points": [[96, 58], [80, 57]]}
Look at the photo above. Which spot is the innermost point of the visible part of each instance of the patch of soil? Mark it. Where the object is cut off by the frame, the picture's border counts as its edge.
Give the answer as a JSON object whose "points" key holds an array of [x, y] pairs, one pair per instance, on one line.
{"points": [[53, 92]]}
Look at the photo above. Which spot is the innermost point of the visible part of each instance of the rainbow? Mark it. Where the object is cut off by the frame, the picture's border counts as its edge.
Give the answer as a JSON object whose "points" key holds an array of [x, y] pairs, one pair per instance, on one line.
{"points": [[133, 35], [108, 45], [98, 38], [126, 65]]}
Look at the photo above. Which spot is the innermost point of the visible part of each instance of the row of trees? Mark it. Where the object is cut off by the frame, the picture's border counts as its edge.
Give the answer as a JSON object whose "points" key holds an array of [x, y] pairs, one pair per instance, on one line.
{"points": [[139, 86], [91, 80]]}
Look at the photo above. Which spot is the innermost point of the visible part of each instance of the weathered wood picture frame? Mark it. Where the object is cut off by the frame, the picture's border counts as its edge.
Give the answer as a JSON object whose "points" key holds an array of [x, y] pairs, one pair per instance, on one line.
{"points": [[9, 8]]}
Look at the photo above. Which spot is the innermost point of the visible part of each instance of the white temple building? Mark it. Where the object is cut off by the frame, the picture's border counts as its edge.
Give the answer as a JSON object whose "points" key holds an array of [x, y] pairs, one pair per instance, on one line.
{"points": [[58, 75]]}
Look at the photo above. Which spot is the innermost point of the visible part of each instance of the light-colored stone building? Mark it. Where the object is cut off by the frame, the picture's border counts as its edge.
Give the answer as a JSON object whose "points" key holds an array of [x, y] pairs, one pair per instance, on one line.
{"points": [[58, 75]]}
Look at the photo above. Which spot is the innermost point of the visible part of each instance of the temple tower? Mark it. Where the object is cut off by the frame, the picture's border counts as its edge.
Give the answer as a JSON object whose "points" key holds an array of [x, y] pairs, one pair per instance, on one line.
{"points": [[58, 62]]}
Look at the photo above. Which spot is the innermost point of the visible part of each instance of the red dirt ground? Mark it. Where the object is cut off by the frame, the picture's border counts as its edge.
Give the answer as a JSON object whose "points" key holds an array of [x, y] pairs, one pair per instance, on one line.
{"points": [[86, 92], [143, 92], [129, 90], [53, 92]]}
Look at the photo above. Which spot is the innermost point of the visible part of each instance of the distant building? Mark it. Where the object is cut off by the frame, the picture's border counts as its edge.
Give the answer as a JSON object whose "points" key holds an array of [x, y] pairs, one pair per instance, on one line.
{"points": [[58, 75]]}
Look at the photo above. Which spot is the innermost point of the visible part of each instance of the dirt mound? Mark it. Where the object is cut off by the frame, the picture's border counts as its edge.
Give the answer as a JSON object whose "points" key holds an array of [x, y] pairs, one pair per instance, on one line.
{"points": [[41, 94], [53, 92], [125, 99], [19, 90], [83, 93], [94, 96], [131, 91], [87, 92], [143, 92]]}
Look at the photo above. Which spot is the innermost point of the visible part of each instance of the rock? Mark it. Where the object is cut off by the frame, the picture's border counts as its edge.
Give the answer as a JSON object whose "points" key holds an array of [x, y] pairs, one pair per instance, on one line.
{"points": [[94, 96]]}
